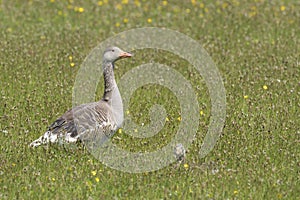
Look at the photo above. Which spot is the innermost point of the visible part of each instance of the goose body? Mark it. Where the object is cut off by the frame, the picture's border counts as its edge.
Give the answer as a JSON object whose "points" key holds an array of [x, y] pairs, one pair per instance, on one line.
{"points": [[104, 116]]}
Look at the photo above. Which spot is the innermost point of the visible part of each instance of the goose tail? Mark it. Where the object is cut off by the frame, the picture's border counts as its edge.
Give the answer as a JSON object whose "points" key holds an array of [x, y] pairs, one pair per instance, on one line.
{"points": [[46, 138]]}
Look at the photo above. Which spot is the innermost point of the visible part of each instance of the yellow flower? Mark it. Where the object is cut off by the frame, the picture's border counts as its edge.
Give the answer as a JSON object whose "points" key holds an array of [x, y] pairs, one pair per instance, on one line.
{"points": [[188, 10], [125, 20], [97, 179], [72, 64], [165, 3], [246, 96], [43, 37], [53, 179], [127, 112], [120, 131], [137, 3], [14, 164], [59, 12], [94, 173], [119, 7], [282, 8], [265, 87], [100, 3], [118, 24], [81, 10], [135, 130], [235, 192], [201, 112], [179, 118], [167, 119], [193, 2], [70, 58], [201, 5], [124, 1], [149, 20], [186, 165], [52, 1]]}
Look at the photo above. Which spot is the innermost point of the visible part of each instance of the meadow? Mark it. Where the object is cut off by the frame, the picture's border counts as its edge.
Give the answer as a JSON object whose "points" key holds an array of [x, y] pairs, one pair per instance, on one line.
{"points": [[256, 47]]}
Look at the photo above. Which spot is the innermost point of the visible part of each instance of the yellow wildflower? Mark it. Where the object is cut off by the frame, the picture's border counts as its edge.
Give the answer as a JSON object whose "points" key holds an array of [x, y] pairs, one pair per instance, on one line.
{"points": [[97, 179], [149, 20], [235, 192], [137, 3], [120, 131], [118, 24], [186, 165], [193, 2], [179, 118], [167, 119], [201, 112], [202, 5], [165, 3], [70, 58], [119, 7], [125, 20], [53, 179], [81, 10], [265, 87], [124, 1], [72, 64], [282, 8], [246, 96], [100, 3], [135, 130], [94, 172], [187, 10], [52, 1]]}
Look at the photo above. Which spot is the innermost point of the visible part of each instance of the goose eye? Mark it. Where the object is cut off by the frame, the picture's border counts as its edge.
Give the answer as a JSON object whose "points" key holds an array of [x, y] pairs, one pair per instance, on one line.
{"points": [[113, 50]]}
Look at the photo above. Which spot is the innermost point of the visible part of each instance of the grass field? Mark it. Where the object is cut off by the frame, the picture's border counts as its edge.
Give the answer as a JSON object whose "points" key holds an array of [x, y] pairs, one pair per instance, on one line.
{"points": [[255, 45]]}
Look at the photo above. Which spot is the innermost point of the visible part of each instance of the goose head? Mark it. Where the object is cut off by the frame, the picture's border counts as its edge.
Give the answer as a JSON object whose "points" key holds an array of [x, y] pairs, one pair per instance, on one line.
{"points": [[112, 54]]}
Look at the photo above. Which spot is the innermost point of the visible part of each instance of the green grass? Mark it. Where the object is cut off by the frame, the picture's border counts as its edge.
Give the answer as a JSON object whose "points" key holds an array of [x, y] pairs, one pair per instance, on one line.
{"points": [[253, 43]]}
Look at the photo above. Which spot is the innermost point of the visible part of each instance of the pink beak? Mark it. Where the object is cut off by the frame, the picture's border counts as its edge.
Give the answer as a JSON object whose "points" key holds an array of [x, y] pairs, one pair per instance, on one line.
{"points": [[125, 55]]}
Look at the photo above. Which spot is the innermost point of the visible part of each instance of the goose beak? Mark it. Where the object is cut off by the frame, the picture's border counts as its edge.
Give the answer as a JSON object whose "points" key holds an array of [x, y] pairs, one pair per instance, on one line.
{"points": [[125, 55]]}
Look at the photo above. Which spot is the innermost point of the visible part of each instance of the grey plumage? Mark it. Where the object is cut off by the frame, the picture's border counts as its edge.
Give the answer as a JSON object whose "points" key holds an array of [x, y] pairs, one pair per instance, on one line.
{"points": [[103, 117]]}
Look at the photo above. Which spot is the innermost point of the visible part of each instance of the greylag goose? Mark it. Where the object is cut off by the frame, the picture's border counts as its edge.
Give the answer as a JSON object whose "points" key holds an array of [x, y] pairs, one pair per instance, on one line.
{"points": [[99, 115]]}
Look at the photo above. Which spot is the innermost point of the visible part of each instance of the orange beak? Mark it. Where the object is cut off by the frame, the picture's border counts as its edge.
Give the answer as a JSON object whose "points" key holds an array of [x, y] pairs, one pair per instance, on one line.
{"points": [[125, 55]]}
